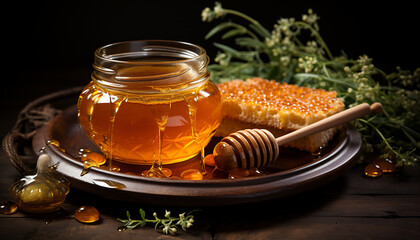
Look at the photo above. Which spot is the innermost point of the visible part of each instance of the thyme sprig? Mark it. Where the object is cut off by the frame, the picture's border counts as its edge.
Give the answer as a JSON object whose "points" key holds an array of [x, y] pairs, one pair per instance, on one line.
{"points": [[167, 225], [294, 52]]}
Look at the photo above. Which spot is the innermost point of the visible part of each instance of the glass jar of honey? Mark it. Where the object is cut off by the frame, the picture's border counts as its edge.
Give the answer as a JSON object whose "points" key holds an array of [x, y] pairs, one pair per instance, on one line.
{"points": [[150, 100]]}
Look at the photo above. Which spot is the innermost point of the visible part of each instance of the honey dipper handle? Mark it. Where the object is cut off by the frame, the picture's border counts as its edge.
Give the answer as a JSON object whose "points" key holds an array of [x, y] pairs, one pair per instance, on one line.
{"points": [[332, 121]]}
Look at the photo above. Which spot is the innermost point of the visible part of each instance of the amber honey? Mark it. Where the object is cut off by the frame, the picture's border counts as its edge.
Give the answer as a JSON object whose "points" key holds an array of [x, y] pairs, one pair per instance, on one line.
{"points": [[141, 109]]}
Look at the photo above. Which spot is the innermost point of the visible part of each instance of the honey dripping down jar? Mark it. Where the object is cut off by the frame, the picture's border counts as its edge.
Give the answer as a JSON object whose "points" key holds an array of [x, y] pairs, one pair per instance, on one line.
{"points": [[150, 101]]}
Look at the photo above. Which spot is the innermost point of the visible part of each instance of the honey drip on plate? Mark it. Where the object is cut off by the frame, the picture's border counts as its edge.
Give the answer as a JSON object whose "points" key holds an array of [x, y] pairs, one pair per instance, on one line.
{"points": [[192, 103], [115, 102], [87, 164], [160, 113], [165, 171], [56, 144], [191, 174], [96, 96], [90, 159]]}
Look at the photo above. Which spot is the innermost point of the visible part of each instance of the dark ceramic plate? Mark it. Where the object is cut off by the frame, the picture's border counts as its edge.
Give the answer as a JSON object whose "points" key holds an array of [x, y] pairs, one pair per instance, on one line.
{"points": [[294, 172]]}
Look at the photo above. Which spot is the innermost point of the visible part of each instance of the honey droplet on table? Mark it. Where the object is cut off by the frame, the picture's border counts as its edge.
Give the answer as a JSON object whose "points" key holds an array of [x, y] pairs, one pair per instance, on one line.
{"points": [[373, 170], [87, 214], [8, 207], [192, 174], [385, 164]]}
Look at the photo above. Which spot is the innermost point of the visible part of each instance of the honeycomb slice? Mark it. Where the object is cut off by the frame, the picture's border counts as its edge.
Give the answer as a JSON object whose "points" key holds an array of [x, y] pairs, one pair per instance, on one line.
{"points": [[283, 106], [280, 108]]}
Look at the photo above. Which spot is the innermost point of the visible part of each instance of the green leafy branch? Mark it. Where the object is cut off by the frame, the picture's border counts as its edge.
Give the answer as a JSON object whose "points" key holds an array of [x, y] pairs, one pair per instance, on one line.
{"points": [[167, 225], [294, 52]]}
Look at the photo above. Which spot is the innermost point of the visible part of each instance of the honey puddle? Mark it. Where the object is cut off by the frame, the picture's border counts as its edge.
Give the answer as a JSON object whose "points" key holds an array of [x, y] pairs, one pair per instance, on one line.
{"points": [[191, 169]]}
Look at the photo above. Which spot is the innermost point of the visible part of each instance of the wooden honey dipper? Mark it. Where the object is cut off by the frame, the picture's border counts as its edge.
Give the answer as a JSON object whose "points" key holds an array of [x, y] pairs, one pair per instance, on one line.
{"points": [[258, 147]]}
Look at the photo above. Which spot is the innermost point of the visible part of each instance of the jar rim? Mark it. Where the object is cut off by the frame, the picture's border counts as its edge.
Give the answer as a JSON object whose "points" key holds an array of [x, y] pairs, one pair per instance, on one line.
{"points": [[186, 64], [169, 46]]}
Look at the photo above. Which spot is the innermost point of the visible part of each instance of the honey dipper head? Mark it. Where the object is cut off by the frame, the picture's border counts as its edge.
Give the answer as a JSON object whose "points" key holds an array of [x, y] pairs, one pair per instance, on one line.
{"points": [[224, 156], [245, 149]]}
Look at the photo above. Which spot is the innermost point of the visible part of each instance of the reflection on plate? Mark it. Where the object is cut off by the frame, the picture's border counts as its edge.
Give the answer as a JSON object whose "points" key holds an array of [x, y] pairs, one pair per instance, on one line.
{"points": [[294, 172]]}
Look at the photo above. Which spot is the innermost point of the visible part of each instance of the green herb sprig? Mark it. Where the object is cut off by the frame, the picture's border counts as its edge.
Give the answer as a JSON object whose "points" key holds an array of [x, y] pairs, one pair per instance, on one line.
{"points": [[294, 52], [167, 225]]}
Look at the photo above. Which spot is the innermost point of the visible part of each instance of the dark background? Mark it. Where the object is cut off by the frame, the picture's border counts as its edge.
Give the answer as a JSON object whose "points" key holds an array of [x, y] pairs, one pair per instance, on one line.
{"points": [[48, 46]]}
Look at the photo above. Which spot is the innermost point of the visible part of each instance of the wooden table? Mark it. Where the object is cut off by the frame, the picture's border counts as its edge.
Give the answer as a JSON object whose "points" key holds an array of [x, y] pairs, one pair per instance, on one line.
{"points": [[350, 207]]}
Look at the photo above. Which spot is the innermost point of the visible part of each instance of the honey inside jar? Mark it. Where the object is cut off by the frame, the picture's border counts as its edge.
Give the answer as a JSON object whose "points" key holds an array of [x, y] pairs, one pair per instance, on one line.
{"points": [[150, 100]]}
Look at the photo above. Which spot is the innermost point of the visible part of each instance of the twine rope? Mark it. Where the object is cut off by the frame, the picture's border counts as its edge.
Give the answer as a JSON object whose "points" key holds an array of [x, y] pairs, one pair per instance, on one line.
{"points": [[29, 120]]}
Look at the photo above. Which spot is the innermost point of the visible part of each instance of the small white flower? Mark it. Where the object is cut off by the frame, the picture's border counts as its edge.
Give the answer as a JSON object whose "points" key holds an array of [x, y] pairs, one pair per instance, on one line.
{"points": [[286, 41], [169, 230], [310, 18], [276, 51], [285, 60], [205, 15], [269, 42], [218, 10]]}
